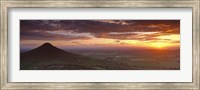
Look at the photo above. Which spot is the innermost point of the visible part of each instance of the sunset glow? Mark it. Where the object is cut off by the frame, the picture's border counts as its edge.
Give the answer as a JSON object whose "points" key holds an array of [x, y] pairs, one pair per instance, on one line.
{"points": [[99, 44], [159, 44], [155, 34]]}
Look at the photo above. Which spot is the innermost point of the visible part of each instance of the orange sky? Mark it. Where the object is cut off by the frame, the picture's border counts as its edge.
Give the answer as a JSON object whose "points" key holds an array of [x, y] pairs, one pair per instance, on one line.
{"points": [[157, 34]]}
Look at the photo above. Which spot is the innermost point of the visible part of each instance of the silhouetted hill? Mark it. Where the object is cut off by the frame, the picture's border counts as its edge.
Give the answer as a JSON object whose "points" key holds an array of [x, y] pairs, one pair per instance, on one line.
{"points": [[49, 57]]}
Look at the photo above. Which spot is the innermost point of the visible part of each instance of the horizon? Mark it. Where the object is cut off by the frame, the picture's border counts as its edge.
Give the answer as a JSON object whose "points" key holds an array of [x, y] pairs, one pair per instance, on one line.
{"points": [[101, 48]]}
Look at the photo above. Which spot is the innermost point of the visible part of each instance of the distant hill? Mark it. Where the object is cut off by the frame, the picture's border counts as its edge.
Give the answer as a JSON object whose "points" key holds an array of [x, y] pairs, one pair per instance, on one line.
{"points": [[49, 57]]}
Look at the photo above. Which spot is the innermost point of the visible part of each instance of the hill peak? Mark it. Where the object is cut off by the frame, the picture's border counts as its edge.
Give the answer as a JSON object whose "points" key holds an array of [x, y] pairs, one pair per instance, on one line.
{"points": [[46, 49], [47, 44]]}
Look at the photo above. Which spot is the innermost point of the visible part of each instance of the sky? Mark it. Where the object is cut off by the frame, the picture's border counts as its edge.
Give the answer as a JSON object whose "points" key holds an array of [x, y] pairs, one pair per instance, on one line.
{"points": [[155, 34]]}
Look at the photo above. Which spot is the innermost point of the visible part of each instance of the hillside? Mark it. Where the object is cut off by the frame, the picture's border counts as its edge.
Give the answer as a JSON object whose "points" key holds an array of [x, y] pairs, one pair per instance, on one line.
{"points": [[49, 57]]}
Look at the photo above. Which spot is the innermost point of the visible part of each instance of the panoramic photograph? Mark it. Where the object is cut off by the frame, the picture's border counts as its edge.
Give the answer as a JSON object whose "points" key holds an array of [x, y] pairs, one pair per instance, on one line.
{"points": [[100, 44]]}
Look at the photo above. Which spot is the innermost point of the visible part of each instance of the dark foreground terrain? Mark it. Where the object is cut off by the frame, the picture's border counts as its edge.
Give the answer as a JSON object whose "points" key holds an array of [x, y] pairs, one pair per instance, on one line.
{"points": [[49, 57]]}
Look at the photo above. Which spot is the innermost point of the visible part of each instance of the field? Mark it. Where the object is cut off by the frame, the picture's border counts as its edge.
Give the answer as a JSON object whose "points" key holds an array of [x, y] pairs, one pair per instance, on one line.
{"points": [[137, 59]]}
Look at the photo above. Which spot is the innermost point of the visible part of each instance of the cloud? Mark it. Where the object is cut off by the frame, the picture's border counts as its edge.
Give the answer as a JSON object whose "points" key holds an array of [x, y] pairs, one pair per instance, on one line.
{"points": [[87, 29], [52, 35], [130, 35], [117, 41], [118, 22]]}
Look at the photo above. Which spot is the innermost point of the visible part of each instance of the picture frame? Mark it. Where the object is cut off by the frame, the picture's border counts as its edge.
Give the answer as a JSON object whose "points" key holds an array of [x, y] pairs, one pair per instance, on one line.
{"points": [[7, 4]]}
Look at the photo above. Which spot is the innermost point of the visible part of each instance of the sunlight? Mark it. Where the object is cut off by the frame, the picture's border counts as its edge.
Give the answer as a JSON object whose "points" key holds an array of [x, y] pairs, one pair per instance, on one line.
{"points": [[159, 45], [174, 37]]}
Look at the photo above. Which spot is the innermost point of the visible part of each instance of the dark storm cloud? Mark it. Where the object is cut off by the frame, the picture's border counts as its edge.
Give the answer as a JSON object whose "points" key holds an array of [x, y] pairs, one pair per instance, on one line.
{"points": [[106, 26], [38, 25], [39, 29]]}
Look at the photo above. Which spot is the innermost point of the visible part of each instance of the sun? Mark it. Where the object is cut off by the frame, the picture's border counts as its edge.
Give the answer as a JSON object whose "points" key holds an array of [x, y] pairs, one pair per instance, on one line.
{"points": [[159, 45]]}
